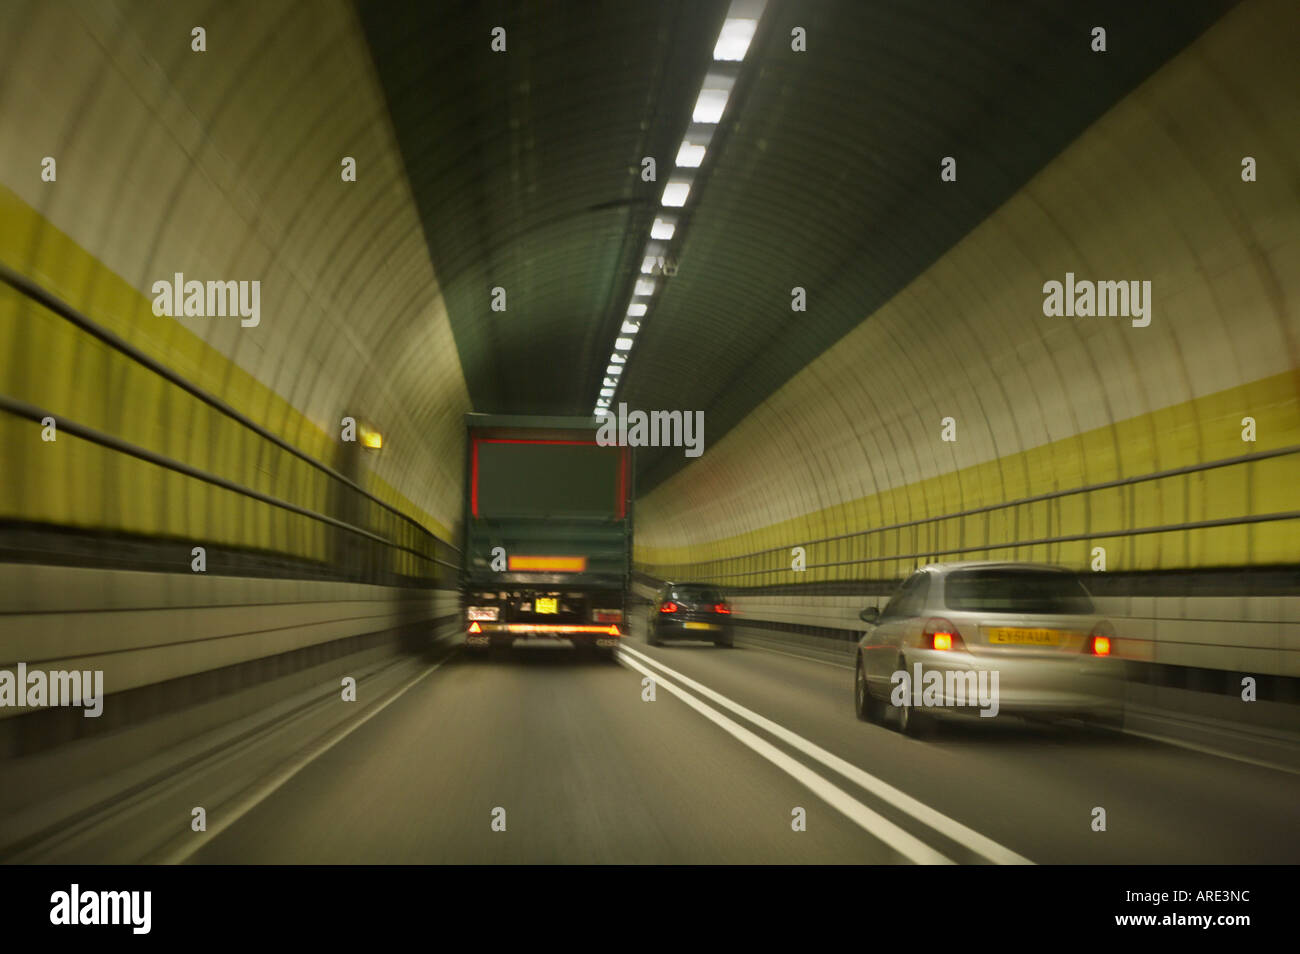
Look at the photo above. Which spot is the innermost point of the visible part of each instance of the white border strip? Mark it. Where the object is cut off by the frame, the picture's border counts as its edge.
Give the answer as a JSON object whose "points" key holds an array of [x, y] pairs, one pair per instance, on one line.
{"points": [[941, 823], [910, 847], [229, 815]]}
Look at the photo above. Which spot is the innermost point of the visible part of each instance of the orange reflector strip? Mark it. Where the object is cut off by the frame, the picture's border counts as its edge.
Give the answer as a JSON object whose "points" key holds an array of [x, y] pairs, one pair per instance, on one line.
{"points": [[560, 628], [558, 564]]}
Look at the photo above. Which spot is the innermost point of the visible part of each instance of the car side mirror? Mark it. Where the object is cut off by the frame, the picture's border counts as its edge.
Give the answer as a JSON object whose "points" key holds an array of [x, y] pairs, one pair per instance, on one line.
{"points": [[870, 615]]}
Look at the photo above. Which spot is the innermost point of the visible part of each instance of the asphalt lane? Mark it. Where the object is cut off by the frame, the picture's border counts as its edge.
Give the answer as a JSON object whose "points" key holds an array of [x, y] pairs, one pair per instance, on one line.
{"points": [[586, 770], [1031, 788]]}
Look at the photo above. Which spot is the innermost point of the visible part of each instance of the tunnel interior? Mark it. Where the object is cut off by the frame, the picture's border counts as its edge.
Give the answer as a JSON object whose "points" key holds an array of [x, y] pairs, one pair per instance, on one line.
{"points": [[933, 282]]}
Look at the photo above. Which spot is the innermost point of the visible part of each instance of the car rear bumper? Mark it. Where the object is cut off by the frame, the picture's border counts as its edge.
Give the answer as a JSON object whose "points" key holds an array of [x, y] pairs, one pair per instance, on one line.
{"points": [[1078, 686], [692, 629]]}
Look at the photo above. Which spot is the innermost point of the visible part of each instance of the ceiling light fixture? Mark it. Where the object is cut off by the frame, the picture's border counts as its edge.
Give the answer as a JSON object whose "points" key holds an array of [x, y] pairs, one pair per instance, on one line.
{"points": [[689, 155], [733, 41], [675, 193], [662, 229], [710, 106], [729, 50]]}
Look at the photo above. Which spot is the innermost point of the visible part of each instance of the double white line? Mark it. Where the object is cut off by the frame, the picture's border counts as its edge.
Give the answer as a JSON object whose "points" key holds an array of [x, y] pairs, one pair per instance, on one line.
{"points": [[907, 845]]}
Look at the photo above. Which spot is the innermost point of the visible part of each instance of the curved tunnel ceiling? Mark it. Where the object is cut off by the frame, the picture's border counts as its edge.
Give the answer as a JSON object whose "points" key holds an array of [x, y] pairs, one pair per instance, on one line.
{"points": [[824, 173]]}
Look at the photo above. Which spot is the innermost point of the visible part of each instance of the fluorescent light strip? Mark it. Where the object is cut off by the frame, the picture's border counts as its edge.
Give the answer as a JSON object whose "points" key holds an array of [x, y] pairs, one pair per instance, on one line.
{"points": [[675, 193], [710, 105], [732, 45], [662, 229], [690, 155], [733, 39]]}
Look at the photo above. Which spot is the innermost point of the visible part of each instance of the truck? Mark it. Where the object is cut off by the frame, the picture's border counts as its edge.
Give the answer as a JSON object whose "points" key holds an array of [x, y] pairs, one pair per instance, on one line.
{"points": [[547, 534]]}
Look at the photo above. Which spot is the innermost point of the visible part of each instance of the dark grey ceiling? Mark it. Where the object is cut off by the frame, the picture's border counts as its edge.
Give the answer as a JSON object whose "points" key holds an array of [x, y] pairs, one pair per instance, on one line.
{"points": [[824, 172]]}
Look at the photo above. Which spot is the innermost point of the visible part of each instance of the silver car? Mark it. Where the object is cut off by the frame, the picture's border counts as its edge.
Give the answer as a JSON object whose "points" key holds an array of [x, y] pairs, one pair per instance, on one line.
{"points": [[983, 639]]}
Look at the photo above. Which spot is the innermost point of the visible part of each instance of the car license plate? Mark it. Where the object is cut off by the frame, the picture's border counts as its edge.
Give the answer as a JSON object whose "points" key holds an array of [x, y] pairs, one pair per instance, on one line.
{"points": [[1006, 635], [548, 604], [700, 625]]}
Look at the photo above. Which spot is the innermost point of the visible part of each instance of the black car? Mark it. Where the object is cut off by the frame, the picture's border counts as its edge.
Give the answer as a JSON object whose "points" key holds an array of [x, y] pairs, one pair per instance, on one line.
{"points": [[690, 611]]}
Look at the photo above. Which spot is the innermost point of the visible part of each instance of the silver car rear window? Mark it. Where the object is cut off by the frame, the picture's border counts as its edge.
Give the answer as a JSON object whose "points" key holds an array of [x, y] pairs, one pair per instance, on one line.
{"points": [[1015, 591]]}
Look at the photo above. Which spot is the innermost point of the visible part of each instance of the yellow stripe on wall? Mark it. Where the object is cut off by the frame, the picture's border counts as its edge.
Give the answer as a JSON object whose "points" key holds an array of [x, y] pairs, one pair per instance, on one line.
{"points": [[50, 363], [1205, 429]]}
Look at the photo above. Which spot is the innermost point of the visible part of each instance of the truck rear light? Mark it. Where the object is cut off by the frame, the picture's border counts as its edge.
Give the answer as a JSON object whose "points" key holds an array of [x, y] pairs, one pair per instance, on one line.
{"points": [[1100, 640], [668, 607], [721, 608], [488, 613], [941, 634], [552, 564], [608, 615]]}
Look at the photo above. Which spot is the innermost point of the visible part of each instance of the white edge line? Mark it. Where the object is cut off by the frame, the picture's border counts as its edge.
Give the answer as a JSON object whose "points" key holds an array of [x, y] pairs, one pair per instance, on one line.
{"points": [[271, 785], [949, 827], [907, 845], [1209, 750]]}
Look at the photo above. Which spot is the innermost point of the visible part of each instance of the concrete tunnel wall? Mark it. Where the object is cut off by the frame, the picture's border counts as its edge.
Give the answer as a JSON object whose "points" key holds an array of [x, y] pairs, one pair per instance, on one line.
{"points": [[221, 165], [1151, 191]]}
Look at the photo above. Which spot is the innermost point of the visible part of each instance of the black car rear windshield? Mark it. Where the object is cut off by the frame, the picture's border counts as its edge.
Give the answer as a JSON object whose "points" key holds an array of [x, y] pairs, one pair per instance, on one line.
{"points": [[1015, 591], [696, 594]]}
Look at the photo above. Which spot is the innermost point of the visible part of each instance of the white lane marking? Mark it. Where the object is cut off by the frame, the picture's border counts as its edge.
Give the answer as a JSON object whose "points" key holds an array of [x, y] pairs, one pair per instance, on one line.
{"points": [[910, 847], [949, 827], [1207, 750], [228, 817]]}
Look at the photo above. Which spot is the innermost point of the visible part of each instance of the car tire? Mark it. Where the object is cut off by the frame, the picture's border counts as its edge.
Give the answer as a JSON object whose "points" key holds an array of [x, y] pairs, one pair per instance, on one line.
{"points": [[911, 722], [652, 636], [724, 643], [867, 707]]}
